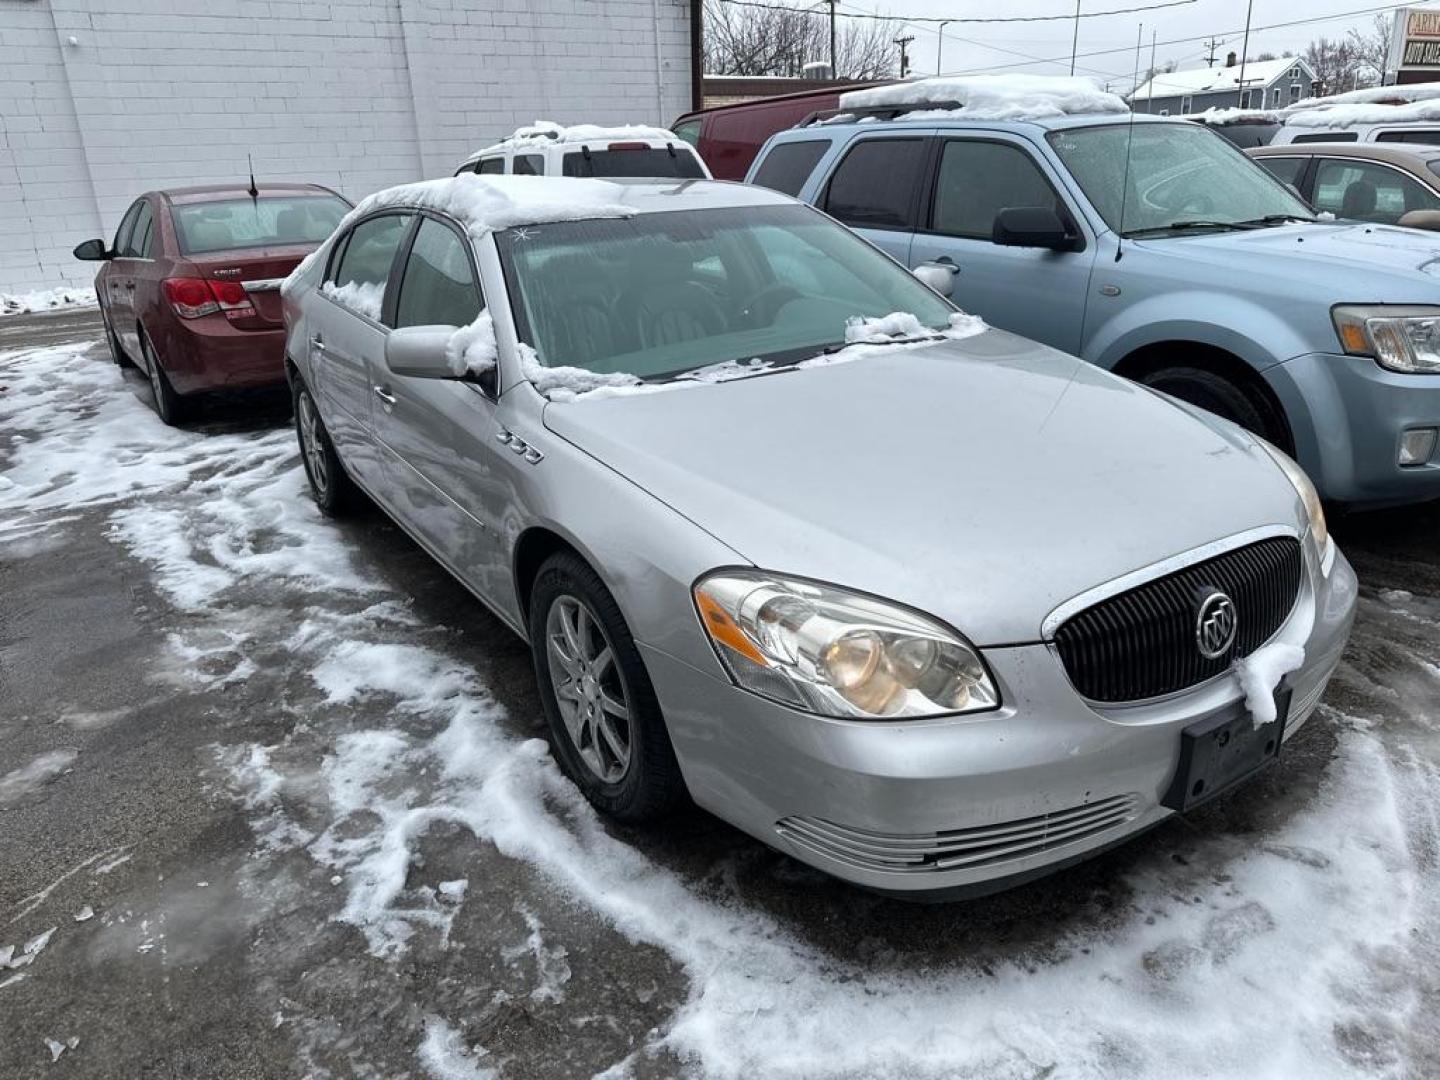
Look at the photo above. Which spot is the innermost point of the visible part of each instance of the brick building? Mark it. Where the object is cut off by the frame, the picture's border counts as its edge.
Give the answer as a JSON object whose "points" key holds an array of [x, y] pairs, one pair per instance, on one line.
{"points": [[103, 99]]}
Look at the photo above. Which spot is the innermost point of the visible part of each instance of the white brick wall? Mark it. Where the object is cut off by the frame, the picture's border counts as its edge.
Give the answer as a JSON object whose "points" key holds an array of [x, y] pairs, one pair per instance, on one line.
{"points": [[357, 95]]}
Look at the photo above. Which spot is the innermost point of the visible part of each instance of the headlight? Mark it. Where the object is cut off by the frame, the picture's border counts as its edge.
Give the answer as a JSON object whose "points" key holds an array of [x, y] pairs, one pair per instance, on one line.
{"points": [[837, 653], [1306, 490], [1400, 338]]}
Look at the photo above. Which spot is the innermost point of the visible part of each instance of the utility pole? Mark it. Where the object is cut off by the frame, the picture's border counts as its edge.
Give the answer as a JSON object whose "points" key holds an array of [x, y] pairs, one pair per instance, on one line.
{"points": [[940, 45], [1212, 45], [904, 41], [834, 71], [1245, 52], [1075, 38], [1152, 71]]}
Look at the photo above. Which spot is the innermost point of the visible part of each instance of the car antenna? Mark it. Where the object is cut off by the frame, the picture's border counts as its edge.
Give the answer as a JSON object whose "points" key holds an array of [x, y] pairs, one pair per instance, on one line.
{"points": [[254, 191], [1129, 141]]}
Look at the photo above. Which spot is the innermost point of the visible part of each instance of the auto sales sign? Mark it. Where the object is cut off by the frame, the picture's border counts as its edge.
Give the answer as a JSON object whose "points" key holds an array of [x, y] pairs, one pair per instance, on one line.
{"points": [[1415, 45]]}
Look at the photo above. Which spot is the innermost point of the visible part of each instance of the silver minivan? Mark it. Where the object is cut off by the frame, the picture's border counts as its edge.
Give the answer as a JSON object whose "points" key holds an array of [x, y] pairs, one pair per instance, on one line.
{"points": [[925, 604]]}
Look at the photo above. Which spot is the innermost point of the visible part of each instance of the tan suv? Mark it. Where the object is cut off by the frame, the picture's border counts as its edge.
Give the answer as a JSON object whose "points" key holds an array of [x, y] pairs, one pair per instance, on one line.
{"points": [[1390, 184]]}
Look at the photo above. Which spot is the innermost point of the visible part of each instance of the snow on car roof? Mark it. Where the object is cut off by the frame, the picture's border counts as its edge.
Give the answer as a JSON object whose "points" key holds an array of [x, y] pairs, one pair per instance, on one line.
{"points": [[1371, 95], [1222, 117], [992, 97], [485, 204], [548, 133], [1349, 115]]}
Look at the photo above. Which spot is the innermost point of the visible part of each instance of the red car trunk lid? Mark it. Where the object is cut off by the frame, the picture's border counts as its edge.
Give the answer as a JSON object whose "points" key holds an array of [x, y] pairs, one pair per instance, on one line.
{"points": [[260, 271]]}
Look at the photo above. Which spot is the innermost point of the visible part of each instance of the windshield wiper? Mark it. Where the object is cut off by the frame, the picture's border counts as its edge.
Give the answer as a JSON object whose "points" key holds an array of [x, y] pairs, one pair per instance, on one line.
{"points": [[1276, 219], [1178, 226], [908, 339]]}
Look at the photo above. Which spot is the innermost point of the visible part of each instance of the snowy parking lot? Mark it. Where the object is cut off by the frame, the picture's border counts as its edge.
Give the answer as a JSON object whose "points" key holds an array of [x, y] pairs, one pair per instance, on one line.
{"points": [[274, 803]]}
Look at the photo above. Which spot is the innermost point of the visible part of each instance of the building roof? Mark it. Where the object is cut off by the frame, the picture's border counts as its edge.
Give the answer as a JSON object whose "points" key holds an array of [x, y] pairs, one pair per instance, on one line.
{"points": [[1216, 80]]}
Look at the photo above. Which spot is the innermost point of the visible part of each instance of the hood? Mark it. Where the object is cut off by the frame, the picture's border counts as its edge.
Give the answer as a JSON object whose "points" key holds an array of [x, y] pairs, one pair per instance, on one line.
{"points": [[983, 481], [1352, 263]]}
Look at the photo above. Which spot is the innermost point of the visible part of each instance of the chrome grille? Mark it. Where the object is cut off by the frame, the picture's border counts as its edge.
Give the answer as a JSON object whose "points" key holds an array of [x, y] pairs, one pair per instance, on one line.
{"points": [[1141, 643], [958, 849]]}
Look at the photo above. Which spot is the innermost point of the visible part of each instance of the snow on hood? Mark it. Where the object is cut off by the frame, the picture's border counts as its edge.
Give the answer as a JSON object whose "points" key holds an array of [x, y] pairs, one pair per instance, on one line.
{"points": [[546, 132], [486, 204], [993, 97], [1342, 116], [1371, 95]]}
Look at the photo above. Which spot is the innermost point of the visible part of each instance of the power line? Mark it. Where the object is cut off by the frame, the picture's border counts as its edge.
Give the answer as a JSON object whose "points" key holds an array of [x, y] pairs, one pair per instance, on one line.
{"points": [[963, 19], [1188, 40]]}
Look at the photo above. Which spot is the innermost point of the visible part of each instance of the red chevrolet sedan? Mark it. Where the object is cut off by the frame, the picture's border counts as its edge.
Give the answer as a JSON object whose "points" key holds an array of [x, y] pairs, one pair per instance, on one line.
{"points": [[190, 289]]}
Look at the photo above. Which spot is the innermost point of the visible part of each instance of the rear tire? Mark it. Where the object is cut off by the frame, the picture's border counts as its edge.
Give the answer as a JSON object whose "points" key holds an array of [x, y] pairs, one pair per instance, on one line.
{"points": [[171, 407], [606, 728], [330, 485], [1216, 394]]}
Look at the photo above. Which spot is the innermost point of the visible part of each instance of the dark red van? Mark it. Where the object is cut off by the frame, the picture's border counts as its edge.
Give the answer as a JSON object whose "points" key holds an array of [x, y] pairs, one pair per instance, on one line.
{"points": [[190, 287], [729, 136]]}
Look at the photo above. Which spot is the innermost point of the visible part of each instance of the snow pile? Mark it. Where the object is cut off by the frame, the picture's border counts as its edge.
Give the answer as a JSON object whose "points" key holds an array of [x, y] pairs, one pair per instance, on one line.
{"points": [[10, 960], [471, 350], [486, 204], [898, 325], [362, 297], [445, 1056], [1345, 116], [62, 296], [546, 132], [992, 97], [36, 774], [1371, 95], [1222, 117], [1260, 673]]}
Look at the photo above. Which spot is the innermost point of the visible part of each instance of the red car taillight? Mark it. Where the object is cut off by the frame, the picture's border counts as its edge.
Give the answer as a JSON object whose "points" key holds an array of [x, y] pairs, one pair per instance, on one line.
{"points": [[194, 297]]}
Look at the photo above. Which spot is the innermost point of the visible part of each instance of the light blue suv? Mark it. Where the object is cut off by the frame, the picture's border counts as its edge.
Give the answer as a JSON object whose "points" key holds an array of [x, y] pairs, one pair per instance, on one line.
{"points": [[1154, 248]]}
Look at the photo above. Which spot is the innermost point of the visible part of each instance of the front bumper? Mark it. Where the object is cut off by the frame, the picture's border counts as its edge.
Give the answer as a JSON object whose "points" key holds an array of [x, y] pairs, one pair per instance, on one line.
{"points": [[1041, 782], [1347, 414]]}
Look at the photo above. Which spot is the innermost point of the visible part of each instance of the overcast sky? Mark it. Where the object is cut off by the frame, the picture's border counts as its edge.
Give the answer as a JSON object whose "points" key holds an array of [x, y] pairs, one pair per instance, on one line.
{"points": [[971, 46]]}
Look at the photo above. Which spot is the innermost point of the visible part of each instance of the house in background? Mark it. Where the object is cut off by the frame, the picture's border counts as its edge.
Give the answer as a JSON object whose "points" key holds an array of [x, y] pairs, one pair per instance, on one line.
{"points": [[1269, 84]]}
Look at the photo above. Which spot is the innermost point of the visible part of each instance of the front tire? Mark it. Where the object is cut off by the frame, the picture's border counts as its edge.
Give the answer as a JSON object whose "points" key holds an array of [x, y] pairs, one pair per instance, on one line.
{"points": [[606, 728], [1216, 394], [333, 490], [171, 407]]}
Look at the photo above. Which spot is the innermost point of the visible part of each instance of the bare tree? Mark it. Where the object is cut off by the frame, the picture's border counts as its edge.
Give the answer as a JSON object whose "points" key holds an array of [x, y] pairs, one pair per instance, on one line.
{"points": [[1350, 63], [1371, 49], [781, 41]]}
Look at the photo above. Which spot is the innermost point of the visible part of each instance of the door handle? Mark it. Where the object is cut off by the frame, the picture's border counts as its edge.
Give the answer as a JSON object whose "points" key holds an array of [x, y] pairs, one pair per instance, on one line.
{"points": [[317, 342], [385, 396]]}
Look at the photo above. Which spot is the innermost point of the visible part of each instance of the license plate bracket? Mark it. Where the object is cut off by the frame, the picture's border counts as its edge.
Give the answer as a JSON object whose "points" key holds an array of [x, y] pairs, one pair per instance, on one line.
{"points": [[1222, 750]]}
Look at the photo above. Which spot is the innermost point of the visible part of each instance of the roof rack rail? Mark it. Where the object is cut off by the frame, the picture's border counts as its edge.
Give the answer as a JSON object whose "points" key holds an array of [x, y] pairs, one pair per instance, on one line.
{"points": [[879, 112]]}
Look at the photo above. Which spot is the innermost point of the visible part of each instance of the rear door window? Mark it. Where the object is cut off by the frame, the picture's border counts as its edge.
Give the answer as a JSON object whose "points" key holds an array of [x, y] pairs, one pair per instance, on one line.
{"points": [[1364, 191], [1423, 135], [977, 180], [875, 184], [137, 246], [677, 162], [788, 166], [1285, 169], [1328, 136], [689, 130], [493, 166], [438, 287], [529, 165], [364, 266]]}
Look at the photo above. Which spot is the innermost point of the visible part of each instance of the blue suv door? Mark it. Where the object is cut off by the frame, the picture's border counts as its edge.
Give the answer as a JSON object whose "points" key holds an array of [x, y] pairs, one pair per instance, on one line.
{"points": [[1037, 292]]}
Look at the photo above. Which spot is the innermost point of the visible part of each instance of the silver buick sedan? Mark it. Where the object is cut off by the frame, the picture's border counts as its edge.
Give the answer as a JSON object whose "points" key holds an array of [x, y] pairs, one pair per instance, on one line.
{"points": [[927, 605]]}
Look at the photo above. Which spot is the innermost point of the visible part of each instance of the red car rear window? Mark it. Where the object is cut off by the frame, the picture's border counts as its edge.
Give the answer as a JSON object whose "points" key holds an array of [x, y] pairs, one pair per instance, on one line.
{"points": [[269, 221]]}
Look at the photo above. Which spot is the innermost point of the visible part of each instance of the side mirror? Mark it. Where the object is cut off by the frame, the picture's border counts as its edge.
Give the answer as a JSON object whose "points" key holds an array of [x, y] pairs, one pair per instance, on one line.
{"points": [[938, 276], [92, 251], [1031, 226], [419, 351], [1421, 219]]}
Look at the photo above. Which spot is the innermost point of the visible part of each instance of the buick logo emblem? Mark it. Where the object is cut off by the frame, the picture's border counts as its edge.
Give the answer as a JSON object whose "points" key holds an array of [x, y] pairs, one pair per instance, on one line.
{"points": [[1215, 625]]}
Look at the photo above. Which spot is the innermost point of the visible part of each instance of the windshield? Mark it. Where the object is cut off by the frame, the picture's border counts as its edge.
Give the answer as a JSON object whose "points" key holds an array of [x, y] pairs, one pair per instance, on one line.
{"points": [[1178, 174], [269, 221], [657, 295]]}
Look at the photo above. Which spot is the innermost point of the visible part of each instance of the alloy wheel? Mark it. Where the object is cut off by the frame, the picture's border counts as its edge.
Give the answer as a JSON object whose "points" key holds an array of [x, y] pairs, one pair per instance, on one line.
{"points": [[311, 444], [588, 688]]}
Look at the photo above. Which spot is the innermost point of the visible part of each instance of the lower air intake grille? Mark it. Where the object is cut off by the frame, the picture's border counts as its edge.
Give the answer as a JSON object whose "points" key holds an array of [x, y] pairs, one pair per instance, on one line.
{"points": [[1142, 643], [958, 849]]}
